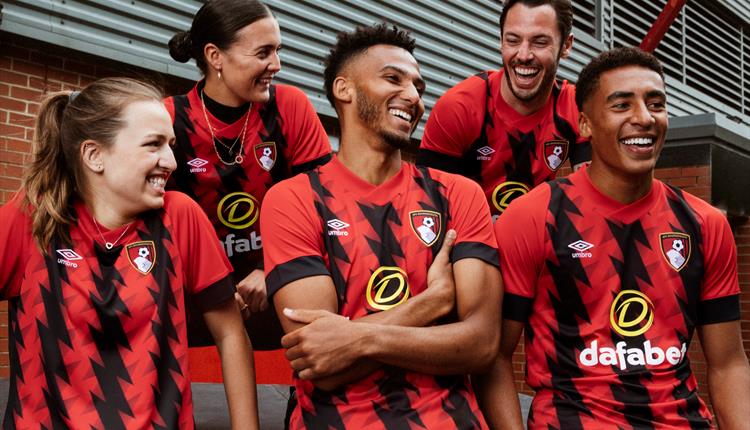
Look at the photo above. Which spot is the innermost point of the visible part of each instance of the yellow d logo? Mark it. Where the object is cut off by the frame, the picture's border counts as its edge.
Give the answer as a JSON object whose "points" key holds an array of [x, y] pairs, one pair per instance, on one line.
{"points": [[238, 210], [632, 313], [387, 288], [506, 193]]}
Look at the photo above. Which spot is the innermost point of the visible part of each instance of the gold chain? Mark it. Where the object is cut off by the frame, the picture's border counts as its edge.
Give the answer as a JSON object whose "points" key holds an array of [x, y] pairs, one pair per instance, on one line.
{"points": [[240, 138]]}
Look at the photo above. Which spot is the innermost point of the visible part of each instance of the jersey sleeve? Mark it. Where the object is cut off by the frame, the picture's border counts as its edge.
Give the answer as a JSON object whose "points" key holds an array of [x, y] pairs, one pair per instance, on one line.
{"points": [[307, 139], [720, 293], [16, 245], [292, 234], [520, 237], [169, 105], [206, 267], [580, 151], [470, 217], [453, 125]]}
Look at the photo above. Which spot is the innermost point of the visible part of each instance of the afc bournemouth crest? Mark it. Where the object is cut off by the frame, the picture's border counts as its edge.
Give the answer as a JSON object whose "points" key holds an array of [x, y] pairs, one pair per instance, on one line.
{"points": [[676, 249], [265, 155], [555, 153], [426, 225], [142, 255]]}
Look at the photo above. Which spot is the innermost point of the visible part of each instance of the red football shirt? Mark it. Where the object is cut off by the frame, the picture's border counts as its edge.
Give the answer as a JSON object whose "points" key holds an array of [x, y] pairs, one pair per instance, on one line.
{"points": [[611, 295], [283, 137], [376, 243], [98, 337], [472, 131]]}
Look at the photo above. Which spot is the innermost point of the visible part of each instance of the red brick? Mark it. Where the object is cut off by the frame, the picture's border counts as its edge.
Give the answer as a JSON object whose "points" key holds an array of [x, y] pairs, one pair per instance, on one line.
{"points": [[703, 180], [13, 171], [10, 183], [28, 68], [696, 171], [702, 192], [4, 359], [682, 182], [5, 63], [43, 85], [25, 94], [4, 90], [46, 59], [14, 78], [12, 104], [22, 120], [674, 172], [15, 51], [81, 68], [11, 157], [17, 145], [32, 108], [63, 76], [9, 131]]}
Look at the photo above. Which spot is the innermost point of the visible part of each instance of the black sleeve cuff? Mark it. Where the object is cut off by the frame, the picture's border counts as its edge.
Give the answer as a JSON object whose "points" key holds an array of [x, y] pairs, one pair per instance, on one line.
{"points": [[478, 250], [437, 160], [516, 308], [215, 294], [301, 267], [719, 310], [304, 167], [580, 153]]}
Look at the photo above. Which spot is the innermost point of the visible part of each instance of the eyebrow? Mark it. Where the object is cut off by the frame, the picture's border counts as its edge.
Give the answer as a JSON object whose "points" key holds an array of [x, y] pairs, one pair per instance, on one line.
{"points": [[401, 71], [627, 94]]}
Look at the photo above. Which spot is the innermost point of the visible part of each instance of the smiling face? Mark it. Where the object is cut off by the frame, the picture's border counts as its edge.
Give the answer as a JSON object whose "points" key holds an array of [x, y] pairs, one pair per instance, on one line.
{"points": [[531, 47], [136, 166], [389, 91], [250, 63], [626, 119]]}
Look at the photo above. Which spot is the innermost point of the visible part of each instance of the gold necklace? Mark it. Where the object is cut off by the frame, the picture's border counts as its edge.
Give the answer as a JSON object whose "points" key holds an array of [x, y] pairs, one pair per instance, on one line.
{"points": [[240, 138], [107, 244]]}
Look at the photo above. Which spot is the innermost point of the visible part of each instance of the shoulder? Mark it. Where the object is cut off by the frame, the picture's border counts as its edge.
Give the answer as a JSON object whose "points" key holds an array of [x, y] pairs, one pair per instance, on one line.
{"points": [[567, 96], [177, 203], [16, 210], [290, 95], [534, 202], [470, 88], [286, 191], [705, 213]]}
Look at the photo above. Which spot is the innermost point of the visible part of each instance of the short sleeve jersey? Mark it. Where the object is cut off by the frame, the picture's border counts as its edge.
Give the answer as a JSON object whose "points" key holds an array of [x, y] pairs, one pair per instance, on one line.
{"points": [[282, 137], [97, 336], [376, 243], [472, 131], [611, 295]]}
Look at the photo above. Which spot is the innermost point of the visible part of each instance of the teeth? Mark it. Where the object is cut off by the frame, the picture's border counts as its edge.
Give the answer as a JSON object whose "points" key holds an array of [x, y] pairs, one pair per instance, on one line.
{"points": [[638, 141], [526, 71], [401, 114], [157, 181]]}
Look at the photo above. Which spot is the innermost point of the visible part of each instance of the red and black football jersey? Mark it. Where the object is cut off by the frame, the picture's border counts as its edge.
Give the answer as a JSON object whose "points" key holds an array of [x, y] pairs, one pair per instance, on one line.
{"points": [[611, 295], [376, 243], [282, 137], [472, 131], [98, 337]]}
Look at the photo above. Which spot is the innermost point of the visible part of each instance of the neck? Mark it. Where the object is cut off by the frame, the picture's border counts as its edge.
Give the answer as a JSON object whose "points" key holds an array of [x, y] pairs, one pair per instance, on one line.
{"points": [[625, 189], [105, 214], [523, 107], [368, 156], [218, 92]]}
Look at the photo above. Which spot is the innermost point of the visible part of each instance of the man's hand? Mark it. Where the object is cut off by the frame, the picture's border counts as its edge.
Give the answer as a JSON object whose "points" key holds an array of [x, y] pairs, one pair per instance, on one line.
{"points": [[327, 344], [252, 290], [440, 280]]}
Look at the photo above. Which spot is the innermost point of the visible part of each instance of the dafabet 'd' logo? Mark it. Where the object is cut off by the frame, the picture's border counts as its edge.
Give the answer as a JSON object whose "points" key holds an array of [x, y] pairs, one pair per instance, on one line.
{"points": [[238, 210], [506, 192], [630, 315], [388, 287]]}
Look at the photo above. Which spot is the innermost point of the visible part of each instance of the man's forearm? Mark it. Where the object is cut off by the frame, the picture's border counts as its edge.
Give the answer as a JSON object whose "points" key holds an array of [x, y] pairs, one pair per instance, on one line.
{"points": [[729, 389]]}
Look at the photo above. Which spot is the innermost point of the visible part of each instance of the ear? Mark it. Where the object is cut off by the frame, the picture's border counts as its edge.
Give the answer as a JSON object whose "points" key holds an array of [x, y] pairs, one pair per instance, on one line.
{"points": [[343, 89], [567, 47], [213, 57], [92, 156], [584, 125]]}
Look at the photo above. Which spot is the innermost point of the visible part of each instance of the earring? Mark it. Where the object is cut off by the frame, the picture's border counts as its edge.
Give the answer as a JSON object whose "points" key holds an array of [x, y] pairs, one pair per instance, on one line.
{"points": [[219, 74]]}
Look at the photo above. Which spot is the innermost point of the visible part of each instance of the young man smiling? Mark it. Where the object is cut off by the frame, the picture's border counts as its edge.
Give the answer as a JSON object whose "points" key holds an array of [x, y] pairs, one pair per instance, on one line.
{"points": [[512, 129], [611, 272], [382, 325]]}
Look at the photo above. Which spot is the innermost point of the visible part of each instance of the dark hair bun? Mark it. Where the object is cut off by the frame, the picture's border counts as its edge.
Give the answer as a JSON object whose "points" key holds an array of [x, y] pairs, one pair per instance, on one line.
{"points": [[181, 47]]}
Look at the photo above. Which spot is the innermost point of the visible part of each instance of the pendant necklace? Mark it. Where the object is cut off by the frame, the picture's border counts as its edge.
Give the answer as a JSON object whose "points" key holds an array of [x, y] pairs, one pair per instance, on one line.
{"points": [[230, 148], [107, 244]]}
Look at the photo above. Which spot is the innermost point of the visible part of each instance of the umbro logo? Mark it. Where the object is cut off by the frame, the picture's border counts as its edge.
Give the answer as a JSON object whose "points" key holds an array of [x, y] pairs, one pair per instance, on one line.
{"points": [[338, 227], [485, 153], [196, 165], [581, 246], [68, 258]]}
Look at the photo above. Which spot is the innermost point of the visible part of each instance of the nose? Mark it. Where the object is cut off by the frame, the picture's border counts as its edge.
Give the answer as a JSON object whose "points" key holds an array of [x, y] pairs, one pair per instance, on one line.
{"points": [[525, 53], [167, 160], [275, 64], [642, 116]]}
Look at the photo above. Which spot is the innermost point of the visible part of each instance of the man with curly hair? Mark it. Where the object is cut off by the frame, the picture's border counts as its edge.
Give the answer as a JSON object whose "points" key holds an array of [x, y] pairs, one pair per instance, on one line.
{"points": [[384, 274]]}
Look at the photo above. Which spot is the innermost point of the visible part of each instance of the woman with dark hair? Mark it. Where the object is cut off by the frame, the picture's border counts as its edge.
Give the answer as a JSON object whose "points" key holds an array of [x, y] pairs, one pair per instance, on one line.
{"points": [[96, 261], [237, 135]]}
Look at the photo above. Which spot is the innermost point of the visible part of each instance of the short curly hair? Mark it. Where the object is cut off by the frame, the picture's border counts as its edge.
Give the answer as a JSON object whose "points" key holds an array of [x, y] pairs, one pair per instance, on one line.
{"points": [[349, 45], [588, 79]]}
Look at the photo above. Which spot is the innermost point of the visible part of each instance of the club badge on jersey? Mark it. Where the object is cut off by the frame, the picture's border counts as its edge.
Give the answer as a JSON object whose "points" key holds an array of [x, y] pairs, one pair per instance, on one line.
{"points": [[555, 153], [142, 255], [265, 155], [426, 225], [676, 249]]}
